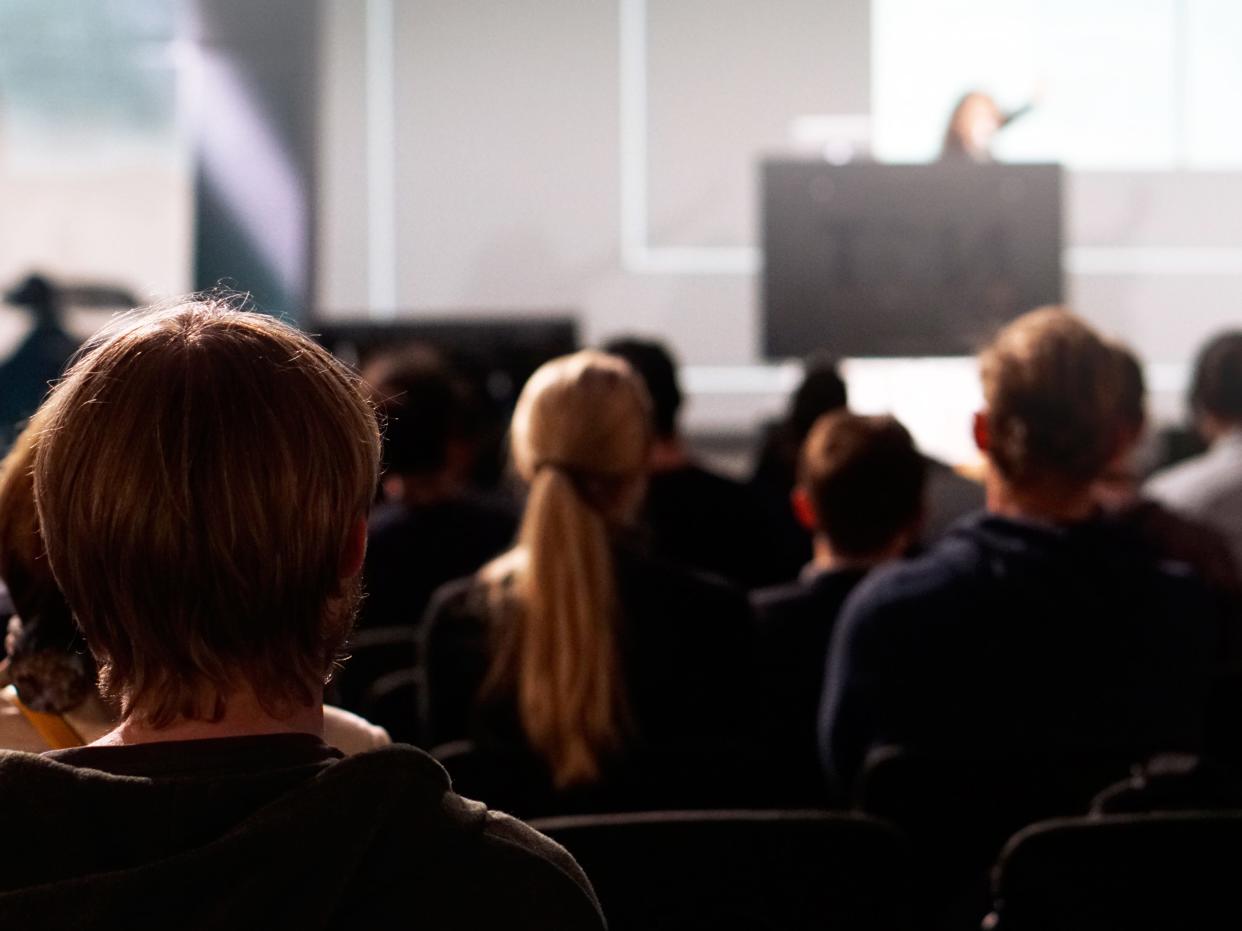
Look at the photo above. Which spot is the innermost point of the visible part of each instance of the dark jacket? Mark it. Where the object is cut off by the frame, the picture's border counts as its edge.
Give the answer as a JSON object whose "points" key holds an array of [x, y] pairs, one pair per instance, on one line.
{"points": [[686, 654], [412, 551], [795, 623], [268, 832], [1017, 637], [712, 524]]}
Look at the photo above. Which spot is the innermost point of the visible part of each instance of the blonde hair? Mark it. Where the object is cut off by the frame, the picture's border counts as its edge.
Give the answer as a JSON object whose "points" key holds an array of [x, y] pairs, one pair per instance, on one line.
{"points": [[581, 438], [199, 474], [1053, 389]]}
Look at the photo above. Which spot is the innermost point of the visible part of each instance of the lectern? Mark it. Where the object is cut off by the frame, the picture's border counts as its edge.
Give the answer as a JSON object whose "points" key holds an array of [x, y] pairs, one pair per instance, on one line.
{"points": [[904, 260]]}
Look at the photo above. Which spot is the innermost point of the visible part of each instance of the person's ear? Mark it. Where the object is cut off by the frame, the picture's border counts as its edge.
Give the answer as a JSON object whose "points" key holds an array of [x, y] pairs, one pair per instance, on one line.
{"points": [[804, 509], [355, 550], [983, 436]]}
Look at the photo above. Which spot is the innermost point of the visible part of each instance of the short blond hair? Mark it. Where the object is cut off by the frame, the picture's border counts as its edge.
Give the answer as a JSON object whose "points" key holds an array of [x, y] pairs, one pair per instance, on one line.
{"points": [[1053, 389], [198, 475]]}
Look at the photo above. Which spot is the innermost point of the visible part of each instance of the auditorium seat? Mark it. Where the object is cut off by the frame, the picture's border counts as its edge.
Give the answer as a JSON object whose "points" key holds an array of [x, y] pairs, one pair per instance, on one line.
{"points": [[392, 702], [718, 870], [959, 809], [1162, 871], [717, 776], [372, 653]]}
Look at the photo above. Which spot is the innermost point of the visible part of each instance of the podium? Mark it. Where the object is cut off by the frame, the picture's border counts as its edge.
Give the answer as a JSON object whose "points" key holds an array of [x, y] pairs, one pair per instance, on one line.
{"points": [[904, 260]]}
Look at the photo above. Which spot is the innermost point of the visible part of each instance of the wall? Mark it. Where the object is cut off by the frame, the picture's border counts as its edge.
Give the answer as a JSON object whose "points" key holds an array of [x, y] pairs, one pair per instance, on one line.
{"points": [[509, 151], [511, 164]]}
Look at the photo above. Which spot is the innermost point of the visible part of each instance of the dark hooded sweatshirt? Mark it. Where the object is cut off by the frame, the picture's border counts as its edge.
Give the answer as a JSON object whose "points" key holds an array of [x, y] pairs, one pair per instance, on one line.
{"points": [[268, 832], [1012, 637]]}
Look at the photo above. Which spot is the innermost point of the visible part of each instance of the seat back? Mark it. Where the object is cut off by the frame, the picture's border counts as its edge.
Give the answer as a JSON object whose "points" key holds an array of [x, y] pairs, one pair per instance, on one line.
{"points": [[1176, 870], [742, 869], [969, 805], [373, 652], [712, 776], [958, 811], [392, 702]]}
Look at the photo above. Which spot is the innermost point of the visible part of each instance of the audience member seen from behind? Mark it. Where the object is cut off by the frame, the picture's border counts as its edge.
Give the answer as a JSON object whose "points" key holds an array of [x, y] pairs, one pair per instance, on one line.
{"points": [[572, 650], [693, 515], [50, 699], [949, 496], [202, 477], [821, 392], [1208, 487], [432, 527], [860, 493], [1171, 535], [1039, 629]]}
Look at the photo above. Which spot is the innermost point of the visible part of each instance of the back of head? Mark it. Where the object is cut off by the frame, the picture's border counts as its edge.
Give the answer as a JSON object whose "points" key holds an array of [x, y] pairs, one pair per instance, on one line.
{"points": [[1216, 390], [865, 479], [581, 438], [426, 410], [1132, 399], [822, 391], [658, 369], [1052, 388], [200, 473]]}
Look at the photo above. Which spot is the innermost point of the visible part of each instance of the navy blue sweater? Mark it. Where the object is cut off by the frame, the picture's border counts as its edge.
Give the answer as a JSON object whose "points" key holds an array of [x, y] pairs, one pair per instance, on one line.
{"points": [[1017, 637]]}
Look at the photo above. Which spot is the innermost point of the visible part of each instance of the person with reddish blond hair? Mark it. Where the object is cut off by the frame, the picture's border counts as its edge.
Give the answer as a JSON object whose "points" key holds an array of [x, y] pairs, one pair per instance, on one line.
{"points": [[1042, 628], [202, 476], [861, 494]]}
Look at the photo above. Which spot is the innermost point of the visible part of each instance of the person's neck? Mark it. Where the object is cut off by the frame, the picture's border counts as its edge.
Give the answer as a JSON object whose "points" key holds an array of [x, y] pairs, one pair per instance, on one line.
{"points": [[668, 454], [1043, 505], [826, 559], [244, 716]]}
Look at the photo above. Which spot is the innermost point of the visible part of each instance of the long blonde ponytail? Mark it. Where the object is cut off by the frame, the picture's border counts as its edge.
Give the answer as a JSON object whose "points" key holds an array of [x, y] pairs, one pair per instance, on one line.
{"points": [[581, 437]]}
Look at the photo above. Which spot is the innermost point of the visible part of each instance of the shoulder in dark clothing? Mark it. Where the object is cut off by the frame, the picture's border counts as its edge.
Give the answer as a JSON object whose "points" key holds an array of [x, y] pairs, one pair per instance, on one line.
{"points": [[1176, 537], [1015, 634], [411, 551], [711, 523], [794, 624], [375, 840]]}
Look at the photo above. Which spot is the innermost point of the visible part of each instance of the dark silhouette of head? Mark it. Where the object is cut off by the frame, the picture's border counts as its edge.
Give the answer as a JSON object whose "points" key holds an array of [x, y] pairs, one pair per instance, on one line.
{"points": [[658, 369], [864, 479], [1216, 388], [822, 391]]}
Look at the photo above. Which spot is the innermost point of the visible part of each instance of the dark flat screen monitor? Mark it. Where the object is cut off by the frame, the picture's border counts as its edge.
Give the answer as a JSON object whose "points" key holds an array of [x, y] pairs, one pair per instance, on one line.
{"points": [[904, 260]]}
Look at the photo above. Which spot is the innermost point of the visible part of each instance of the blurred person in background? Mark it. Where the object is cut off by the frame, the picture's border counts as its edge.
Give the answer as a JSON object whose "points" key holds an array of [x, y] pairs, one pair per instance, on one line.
{"points": [[40, 357], [973, 125], [949, 496], [860, 493], [1170, 534], [1039, 627], [821, 391], [574, 650], [693, 515], [1208, 487], [431, 526]]}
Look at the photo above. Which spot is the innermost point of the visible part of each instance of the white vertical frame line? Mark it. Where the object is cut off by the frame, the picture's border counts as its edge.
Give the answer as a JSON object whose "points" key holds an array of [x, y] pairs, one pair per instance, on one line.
{"points": [[633, 132], [381, 156], [1181, 85]]}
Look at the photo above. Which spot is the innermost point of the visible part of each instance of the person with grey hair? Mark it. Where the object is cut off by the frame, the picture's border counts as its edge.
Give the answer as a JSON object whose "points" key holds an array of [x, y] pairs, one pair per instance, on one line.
{"points": [[1208, 487]]}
